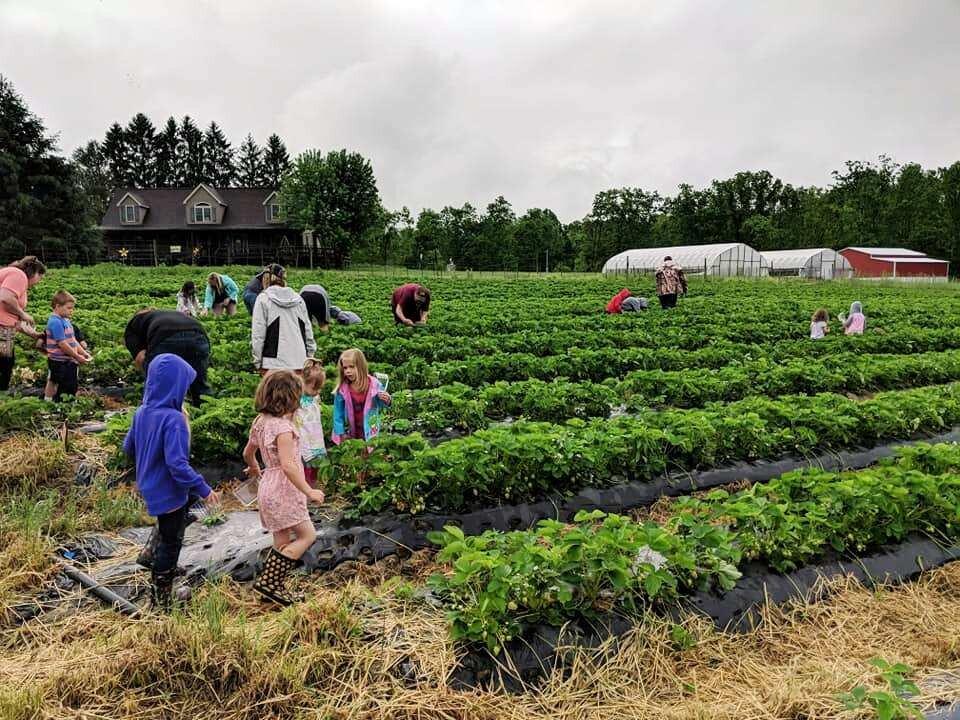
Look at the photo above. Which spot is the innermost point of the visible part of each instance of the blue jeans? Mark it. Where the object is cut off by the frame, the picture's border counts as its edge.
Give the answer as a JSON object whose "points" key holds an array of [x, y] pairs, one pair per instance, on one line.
{"points": [[249, 299], [194, 347]]}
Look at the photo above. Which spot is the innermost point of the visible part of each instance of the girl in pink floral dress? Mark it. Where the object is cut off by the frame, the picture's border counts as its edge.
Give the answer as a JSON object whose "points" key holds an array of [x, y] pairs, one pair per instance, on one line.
{"points": [[283, 490]]}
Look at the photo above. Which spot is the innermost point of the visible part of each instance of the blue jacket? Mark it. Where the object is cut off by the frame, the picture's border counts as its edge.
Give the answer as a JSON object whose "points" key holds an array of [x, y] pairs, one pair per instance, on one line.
{"points": [[159, 439]]}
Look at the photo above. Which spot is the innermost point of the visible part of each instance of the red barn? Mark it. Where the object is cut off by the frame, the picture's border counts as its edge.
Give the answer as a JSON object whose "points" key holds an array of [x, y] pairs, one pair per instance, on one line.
{"points": [[870, 262]]}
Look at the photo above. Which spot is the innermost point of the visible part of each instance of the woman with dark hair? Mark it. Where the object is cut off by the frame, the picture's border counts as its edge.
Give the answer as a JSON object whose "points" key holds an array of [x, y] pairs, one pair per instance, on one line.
{"points": [[411, 304], [15, 280], [282, 334], [671, 282]]}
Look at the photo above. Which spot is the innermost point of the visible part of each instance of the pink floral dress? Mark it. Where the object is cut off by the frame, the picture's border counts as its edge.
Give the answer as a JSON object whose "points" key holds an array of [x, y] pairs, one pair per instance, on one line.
{"points": [[281, 505]]}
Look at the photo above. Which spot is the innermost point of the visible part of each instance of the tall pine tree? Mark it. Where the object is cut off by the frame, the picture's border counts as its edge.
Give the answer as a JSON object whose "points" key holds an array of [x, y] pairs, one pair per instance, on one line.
{"points": [[250, 164], [116, 152], [276, 161], [218, 158], [193, 165], [169, 158], [142, 146], [41, 209], [93, 179]]}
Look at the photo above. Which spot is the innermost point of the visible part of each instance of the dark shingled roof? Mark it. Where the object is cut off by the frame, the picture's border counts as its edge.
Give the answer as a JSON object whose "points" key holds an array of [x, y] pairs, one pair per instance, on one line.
{"points": [[244, 209]]}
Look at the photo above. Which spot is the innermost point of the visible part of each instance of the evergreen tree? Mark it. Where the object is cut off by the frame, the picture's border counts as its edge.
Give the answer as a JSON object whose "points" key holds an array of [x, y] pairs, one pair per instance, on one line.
{"points": [[142, 147], [276, 161], [250, 164], [41, 208], [169, 158], [93, 179], [191, 143], [218, 157], [116, 152]]}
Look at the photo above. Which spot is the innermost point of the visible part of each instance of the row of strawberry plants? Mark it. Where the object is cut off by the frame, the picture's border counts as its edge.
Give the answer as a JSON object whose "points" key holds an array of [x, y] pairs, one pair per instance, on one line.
{"points": [[499, 582], [467, 408], [528, 460]]}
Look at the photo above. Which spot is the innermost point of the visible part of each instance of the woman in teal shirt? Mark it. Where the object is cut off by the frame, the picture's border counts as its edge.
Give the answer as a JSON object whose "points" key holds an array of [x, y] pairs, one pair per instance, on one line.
{"points": [[221, 295]]}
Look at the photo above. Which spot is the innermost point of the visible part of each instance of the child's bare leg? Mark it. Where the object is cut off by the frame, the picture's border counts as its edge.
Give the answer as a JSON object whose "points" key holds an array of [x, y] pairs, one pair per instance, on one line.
{"points": [[305, 535], [50, 390]]}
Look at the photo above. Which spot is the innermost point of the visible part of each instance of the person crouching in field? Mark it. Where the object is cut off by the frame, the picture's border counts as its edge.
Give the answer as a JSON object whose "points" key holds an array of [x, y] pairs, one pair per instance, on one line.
{"points": [[819, 324], [65, 354], [357, 399], [283, 491], [856, 321], [159, 443], [309, 418], [187, 299]]}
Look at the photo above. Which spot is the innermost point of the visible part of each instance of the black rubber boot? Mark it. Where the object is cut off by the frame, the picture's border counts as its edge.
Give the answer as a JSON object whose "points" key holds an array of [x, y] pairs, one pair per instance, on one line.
{"points": [[272, 581], [162, 590]]}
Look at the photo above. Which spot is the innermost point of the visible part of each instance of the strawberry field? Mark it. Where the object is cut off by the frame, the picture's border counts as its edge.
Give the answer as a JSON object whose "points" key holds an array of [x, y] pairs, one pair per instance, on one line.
{"points": [[522, 399]]}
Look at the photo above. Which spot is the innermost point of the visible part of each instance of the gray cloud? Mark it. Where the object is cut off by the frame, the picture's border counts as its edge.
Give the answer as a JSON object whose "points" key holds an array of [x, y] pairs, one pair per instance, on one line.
{"points": [[544, 102]]}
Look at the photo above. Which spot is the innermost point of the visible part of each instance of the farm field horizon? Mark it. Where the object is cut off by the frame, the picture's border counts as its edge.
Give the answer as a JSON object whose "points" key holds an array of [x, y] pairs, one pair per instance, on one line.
{"points": [[521, 398]]}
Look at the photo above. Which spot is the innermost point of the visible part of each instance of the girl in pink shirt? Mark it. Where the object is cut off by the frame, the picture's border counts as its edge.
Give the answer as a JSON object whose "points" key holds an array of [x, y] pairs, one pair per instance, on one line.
{"points": [[856, 322]]}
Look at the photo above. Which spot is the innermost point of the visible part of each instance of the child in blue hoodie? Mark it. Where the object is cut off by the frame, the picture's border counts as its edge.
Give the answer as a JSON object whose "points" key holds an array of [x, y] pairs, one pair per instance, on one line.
{"points": [[159, 443]]}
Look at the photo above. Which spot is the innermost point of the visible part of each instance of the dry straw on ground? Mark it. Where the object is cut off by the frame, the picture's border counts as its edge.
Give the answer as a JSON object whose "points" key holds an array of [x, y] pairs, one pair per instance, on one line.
{"points": [[354, 651]]}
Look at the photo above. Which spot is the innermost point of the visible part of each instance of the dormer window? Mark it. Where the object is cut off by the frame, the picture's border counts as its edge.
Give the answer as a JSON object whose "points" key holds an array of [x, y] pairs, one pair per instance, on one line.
{"points": [[202, 213], [274, 211], [129, 213]]}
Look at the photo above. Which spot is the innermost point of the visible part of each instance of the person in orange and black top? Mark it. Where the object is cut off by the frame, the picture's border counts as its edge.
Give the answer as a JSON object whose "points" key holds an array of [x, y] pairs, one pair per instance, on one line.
{"points": [[411, 304], [671, 282]]}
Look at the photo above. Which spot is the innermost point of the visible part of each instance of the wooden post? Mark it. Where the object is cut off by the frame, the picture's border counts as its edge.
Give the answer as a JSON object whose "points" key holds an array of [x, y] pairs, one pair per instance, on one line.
{"points": [[155, 261]]}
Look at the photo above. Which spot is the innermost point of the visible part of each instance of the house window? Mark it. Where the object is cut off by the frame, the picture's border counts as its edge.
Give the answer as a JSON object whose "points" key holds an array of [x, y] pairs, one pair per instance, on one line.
{"points": [[130, 213], [202, 213], [275, 211]]}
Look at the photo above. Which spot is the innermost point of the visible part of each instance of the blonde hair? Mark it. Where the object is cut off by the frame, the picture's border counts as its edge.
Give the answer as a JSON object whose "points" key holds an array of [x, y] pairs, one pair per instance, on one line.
{"points": [[278, 393], [820, 315], [61, 298], [314, 376], [214, 280], [355, 355]]}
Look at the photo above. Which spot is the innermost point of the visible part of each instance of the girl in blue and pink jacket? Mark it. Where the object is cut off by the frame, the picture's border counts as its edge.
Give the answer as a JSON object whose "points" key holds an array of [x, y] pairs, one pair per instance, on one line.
{"points": [[357, 399]]}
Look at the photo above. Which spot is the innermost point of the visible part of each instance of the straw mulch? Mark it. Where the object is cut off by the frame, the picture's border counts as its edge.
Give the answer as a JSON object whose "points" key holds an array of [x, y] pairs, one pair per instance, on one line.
{"points": [[357, 650]]}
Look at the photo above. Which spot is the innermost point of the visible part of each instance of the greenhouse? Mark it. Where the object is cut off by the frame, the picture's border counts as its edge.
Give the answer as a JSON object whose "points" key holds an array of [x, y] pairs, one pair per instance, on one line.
{"points": [[721, 260], [820, 263]]}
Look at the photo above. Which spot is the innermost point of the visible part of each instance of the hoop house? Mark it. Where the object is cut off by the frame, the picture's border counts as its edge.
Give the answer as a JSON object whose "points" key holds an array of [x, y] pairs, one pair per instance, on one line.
{"points": [[822, 263], [722, 260]]}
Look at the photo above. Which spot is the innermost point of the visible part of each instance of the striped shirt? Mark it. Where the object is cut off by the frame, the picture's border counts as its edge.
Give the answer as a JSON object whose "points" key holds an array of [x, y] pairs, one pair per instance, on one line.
{"points": [[58, 330]]}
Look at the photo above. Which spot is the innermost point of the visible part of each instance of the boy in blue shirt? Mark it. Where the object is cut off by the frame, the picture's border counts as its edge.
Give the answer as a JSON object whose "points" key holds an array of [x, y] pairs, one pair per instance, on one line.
{"points": [[65, 354], [159, 443]]}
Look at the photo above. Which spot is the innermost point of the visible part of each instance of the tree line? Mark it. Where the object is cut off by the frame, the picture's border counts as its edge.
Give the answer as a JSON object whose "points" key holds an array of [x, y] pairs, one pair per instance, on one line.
{"points": [[50, 205]]}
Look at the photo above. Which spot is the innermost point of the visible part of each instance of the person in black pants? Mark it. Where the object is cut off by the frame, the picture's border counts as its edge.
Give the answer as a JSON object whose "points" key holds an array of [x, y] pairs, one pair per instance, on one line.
{"points": [[154, 332]]}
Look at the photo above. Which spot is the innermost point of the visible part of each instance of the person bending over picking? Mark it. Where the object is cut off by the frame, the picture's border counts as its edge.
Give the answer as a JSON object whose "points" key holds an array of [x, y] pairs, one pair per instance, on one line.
{"points": [[220, 295], [65, 354], [159, 443], [283, 490], [411, 304]]}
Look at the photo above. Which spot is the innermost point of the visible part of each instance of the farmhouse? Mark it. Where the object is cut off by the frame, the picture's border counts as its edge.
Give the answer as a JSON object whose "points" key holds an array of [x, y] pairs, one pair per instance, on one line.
{"points": [[895, 263], [203, 225], [819, 263], [721, 260]]}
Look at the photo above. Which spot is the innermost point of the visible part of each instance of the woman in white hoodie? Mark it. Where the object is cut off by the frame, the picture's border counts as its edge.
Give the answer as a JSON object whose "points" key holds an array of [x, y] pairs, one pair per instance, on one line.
{"points": [[282, 335]]}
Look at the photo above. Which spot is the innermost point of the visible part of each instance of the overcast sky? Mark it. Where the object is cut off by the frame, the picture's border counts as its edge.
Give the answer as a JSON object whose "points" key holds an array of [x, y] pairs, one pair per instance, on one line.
{"points": [[546, 103]]}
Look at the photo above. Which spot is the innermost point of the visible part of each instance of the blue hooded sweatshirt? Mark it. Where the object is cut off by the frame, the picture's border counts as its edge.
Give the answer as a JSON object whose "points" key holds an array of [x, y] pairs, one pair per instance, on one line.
{"points": [[159, 440]]}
